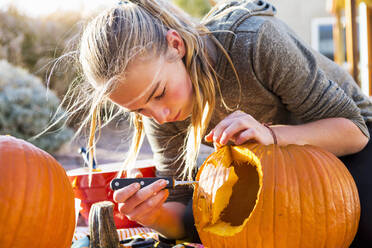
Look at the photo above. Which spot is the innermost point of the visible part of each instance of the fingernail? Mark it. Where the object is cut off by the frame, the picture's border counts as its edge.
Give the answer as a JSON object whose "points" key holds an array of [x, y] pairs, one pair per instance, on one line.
{"points": [[136, 186], [162, 182], [222, 140]]}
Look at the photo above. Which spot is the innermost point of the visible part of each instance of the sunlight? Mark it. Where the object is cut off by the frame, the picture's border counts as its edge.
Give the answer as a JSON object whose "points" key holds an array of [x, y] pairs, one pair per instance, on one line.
{"points": [[43, 7]]}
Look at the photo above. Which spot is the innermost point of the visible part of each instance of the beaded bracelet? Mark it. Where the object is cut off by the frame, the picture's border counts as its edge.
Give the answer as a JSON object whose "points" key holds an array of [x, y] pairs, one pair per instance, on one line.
{"points": [[272, 133]]}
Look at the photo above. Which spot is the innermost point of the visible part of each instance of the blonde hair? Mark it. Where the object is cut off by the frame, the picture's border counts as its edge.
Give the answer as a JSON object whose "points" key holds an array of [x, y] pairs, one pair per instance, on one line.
{"points": [[138, 28]]}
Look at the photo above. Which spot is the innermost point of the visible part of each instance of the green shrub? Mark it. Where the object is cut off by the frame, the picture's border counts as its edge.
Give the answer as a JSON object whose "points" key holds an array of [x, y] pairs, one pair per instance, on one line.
{"points": [[195, 8], [27, 108]]}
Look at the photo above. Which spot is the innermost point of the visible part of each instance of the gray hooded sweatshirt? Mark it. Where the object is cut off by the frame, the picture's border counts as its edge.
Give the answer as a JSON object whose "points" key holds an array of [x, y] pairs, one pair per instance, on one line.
{"points": [[283, 81]]}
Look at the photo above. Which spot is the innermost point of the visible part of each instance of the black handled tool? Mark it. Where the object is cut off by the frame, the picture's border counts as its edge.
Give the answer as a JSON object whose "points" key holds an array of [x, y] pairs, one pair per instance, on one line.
{"points": [[119, 183]]}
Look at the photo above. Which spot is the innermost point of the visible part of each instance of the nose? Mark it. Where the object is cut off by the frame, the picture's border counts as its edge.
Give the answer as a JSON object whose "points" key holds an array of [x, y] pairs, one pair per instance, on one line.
{"points": [[160, 115]]}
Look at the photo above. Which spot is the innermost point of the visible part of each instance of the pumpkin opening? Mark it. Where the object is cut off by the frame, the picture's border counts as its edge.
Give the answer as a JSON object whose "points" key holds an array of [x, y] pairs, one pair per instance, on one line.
{"points": [[235, 200], [244, 194]]}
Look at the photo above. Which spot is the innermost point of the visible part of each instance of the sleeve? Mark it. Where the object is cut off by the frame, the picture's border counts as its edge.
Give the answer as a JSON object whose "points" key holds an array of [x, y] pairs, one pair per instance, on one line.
{"points": [[290, 70], [166, 142]]}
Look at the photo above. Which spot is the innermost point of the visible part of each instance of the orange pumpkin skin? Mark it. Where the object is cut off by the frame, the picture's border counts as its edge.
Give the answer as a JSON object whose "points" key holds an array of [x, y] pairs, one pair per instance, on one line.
{"points": [[36, 197], [293, 196]]}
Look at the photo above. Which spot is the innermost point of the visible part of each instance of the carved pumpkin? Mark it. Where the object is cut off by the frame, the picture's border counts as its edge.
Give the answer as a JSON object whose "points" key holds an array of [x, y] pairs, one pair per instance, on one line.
{"points": [[272, 196], [36, 198]]}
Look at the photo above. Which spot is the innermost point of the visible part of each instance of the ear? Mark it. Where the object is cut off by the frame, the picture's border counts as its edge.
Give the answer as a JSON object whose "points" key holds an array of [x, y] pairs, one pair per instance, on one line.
{"points": [[175, 43]]}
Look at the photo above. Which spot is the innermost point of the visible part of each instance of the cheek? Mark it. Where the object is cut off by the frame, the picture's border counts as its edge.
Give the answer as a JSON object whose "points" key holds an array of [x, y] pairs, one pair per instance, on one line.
{"points": [[182, 90], [182, 94]]}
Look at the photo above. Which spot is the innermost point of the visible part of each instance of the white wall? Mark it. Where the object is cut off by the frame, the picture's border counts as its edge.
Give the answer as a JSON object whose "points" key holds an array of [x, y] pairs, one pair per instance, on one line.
{"points": [[299, 13]]}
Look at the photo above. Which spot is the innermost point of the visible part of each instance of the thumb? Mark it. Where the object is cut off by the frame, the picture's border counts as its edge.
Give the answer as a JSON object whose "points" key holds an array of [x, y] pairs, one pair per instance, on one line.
{"points": [[134, 173]]}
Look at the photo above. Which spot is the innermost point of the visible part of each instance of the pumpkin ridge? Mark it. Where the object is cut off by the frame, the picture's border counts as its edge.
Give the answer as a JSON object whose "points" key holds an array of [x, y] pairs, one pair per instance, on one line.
{"points": [[294, 236], [326, 182], [295, 226], [291, 151], [318, 196], [47, 184], [274, 197], [280, 238], [53, 172], [354, 197], [17, 235], [30, 158], [71, 213], [42, 238], [340, 174], [3, 175], [339, 208], [353, 208], [9, 213], [343, 195]]}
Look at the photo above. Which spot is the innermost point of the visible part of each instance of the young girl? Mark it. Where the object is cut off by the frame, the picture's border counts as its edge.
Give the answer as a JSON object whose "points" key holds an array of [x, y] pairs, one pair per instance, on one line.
{"points": [[219, 81]]}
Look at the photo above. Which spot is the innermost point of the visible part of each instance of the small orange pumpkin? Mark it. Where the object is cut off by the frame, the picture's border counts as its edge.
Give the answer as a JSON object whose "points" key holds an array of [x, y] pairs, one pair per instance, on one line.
{"points": [[36, 197], [272, 196]]}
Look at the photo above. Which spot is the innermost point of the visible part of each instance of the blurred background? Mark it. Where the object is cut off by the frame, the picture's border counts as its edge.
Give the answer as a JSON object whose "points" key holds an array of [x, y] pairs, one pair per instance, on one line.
{"points": [[34, 34]]}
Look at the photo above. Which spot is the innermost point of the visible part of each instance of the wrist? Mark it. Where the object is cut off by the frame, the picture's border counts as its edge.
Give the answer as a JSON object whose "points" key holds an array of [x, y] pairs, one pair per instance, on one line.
{"points": [[275, 140]]}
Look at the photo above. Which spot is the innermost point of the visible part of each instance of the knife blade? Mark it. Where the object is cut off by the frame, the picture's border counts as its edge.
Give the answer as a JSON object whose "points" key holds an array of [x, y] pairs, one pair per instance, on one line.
{"points": [[119, 183]]}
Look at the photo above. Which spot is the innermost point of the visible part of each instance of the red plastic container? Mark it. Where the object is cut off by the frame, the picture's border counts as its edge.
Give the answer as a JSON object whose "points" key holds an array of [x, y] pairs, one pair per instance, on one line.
{"points": [[100, 189]]}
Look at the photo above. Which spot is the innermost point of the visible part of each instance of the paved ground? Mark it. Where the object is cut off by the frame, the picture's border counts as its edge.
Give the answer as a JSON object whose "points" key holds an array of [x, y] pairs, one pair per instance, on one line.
{"points": [[112, 146]]}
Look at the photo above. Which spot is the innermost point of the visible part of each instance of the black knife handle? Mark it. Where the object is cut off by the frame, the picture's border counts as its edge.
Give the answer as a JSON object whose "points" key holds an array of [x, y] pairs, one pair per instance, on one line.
{"points": [[119, 183]]}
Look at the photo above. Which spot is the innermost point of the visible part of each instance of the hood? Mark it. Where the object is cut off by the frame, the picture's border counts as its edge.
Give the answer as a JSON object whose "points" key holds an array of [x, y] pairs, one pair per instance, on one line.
{"points": [[229, 14]]}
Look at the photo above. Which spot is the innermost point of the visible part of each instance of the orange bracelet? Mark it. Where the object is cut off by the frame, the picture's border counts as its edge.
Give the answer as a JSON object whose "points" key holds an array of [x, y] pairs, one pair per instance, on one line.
{"points": [[272, 133]]}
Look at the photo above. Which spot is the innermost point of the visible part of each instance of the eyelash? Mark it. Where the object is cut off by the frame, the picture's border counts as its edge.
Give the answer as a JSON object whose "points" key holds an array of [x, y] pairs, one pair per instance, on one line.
{"points": [[161, 95]]}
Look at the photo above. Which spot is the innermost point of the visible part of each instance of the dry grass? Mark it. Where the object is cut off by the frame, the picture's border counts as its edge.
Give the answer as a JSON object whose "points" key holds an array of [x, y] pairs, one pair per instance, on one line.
{"points": [[34, 44]]}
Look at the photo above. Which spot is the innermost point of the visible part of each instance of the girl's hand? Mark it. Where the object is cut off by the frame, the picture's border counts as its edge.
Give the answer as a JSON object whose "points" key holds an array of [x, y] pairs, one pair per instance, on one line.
{"points": [[142, 205], [239, 127]]}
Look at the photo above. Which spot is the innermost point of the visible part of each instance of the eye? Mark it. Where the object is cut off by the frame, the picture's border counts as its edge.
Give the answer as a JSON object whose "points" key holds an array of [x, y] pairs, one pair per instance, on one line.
{"points": [[161, 95]]}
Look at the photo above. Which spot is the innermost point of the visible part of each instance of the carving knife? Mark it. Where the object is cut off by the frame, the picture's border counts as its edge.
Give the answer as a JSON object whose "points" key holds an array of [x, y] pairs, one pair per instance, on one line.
{"points": [[119, 183]]}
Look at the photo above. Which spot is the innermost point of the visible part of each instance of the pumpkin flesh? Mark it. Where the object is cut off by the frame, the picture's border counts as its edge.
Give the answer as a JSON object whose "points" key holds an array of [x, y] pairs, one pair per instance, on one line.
{"points": [[231, 198]]}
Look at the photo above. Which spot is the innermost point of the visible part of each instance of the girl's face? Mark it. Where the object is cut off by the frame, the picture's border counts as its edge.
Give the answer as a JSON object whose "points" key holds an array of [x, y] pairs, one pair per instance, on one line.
{"points": [[157, 88]]}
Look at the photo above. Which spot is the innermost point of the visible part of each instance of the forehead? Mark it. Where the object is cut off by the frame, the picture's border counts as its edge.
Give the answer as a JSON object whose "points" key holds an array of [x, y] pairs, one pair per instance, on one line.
{"points": [[139, 80]]}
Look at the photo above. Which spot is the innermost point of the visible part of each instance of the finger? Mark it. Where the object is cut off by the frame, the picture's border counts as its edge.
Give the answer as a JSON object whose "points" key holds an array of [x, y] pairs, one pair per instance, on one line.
{"points": [[143, 194], [134, 173], [216, 146], [218, 130], [249, 134], [232, 130], [150, 205], [123, 194]]}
